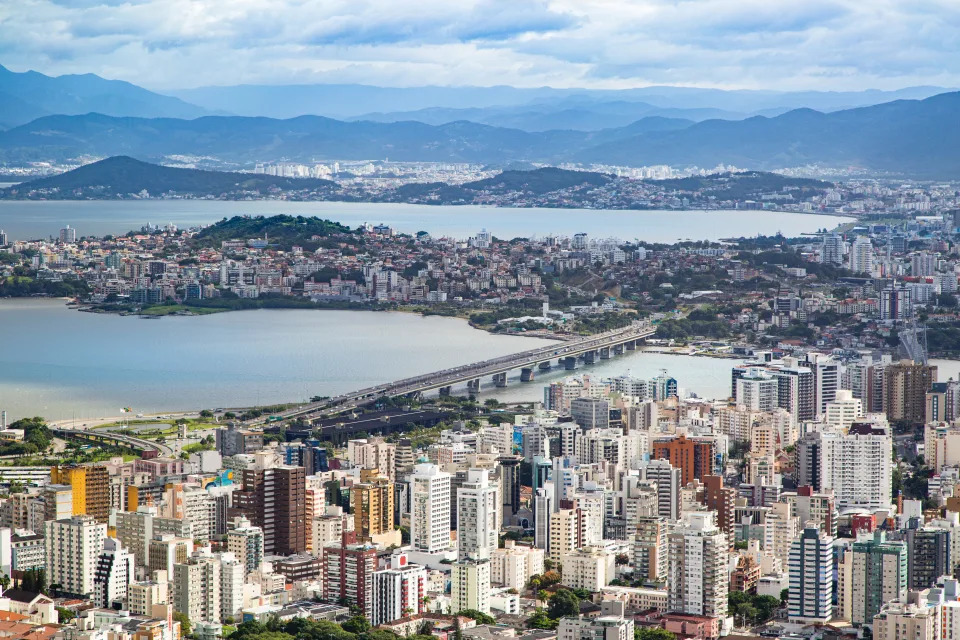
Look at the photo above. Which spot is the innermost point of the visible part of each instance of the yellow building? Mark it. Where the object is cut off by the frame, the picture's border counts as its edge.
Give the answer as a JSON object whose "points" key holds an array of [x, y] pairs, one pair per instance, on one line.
{"points": [[90, 487], [372, 505]]}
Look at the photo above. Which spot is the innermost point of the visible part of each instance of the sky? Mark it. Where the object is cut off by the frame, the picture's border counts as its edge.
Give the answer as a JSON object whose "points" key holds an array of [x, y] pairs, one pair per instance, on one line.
{"points": [[603, 44]]}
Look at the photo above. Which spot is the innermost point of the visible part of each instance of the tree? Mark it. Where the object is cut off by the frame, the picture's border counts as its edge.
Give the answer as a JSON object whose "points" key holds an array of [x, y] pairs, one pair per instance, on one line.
{"points": [[784, 596], [206, 413], [622, 559], [563, 603], [356, 624], [747, 613], [66, 615], [540, 620], [185, 626], [644, 633], [479, 616]]}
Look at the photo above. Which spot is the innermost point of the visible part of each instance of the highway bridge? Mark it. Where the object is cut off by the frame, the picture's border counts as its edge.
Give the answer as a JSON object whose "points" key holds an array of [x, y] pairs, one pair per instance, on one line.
{"points": [[566, 354], [96, 436]]}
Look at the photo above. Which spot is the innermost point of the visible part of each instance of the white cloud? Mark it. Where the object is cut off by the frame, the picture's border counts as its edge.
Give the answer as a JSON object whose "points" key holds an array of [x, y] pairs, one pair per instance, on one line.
{"points": [[758, 44]]}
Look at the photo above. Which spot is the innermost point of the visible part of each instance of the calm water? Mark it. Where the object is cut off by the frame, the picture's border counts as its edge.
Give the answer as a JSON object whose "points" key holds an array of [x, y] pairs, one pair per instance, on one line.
{"points": [[30, 220], [62, 363]]}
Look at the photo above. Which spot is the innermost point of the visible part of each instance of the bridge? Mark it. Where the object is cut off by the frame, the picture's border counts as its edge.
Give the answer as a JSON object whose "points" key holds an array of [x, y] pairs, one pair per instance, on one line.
{"points": [[589, 350], [98, 436]]}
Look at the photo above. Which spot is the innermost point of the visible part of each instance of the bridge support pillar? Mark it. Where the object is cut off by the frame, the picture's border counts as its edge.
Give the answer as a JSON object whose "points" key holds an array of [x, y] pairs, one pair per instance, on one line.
{"points": [[604, 353], [445, 391], [544, 366], [630, 345], [569, 363], [590, 357], [526, 375], [618, 349], [500, 379], [473, 386]]}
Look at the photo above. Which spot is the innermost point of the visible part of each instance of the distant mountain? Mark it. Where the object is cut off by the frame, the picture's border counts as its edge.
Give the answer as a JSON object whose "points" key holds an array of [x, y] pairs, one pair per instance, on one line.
{"points": [[548, 117], [351, 101], [122, 175], [30, 95], [916, 138]]}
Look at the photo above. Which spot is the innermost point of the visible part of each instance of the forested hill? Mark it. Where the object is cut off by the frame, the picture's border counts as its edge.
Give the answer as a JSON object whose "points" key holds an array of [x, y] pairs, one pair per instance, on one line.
{"points": [[121, 176], [282, 230]]}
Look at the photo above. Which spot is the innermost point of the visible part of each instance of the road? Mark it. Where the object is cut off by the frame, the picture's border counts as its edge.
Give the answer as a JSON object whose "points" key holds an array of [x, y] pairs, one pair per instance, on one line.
{"points": [[468, 372]]}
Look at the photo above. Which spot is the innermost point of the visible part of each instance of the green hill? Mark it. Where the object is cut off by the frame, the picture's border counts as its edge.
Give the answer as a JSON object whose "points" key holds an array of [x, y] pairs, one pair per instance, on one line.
{"points": [[538, 181], [120, 176], [283, 231]]}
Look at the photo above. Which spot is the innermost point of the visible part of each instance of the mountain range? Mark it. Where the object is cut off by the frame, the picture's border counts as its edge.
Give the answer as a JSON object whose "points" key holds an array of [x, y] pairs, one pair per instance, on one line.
{"points": [[907, 137], [30, 95]]}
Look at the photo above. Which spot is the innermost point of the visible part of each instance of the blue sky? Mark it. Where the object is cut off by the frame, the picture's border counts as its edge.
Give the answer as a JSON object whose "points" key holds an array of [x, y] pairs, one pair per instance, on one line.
{"points": [[751, 44]]}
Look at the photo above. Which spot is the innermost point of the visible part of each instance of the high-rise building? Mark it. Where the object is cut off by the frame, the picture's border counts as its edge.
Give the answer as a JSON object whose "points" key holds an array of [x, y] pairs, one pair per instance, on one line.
{"points": [[542, 509], [650, 558], [757, 391], [923, 264], [90, 486], [113, 573], [844, 410], [721, 500], [668, 482], [568, 532], [861, 255], [896, 303], [905, 387], [348, 569], [478, 515], [509, 472], [3, 238], [874, 572], [398, 590], [695, 457], [135, 530], [245, 542], [375, 453], [470, 585], [68, 235], [832, 249], [590, 413], [698, 566], [232, 582], [928, 556], [196, 589], [274, 499], [73, 548], [429, 509], [811, 578], [372, 504], [858, 466]]}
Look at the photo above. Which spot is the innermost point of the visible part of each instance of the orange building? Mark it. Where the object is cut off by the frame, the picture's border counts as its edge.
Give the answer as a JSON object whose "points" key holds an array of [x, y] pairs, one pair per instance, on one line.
{"points": [[693, 456]]}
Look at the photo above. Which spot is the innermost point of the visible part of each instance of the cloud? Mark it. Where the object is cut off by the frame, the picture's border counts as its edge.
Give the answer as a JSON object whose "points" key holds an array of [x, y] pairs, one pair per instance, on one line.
{"points": [[756, 44]]}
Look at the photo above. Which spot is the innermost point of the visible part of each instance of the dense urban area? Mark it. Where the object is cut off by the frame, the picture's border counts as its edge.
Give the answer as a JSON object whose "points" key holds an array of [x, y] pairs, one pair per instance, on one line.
{"points": [[817, 500]]}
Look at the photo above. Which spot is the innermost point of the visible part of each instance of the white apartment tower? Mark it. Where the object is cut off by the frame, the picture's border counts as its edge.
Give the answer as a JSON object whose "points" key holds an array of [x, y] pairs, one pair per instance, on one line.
{"points": [[430, 508], [861, 255], [478, 515], [73, 548], [698, 566], [114, 572]]}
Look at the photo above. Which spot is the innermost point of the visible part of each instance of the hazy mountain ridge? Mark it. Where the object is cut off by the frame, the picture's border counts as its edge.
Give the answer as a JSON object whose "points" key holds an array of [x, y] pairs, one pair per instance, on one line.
{"points": [[915, 138], [30, 95]]}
